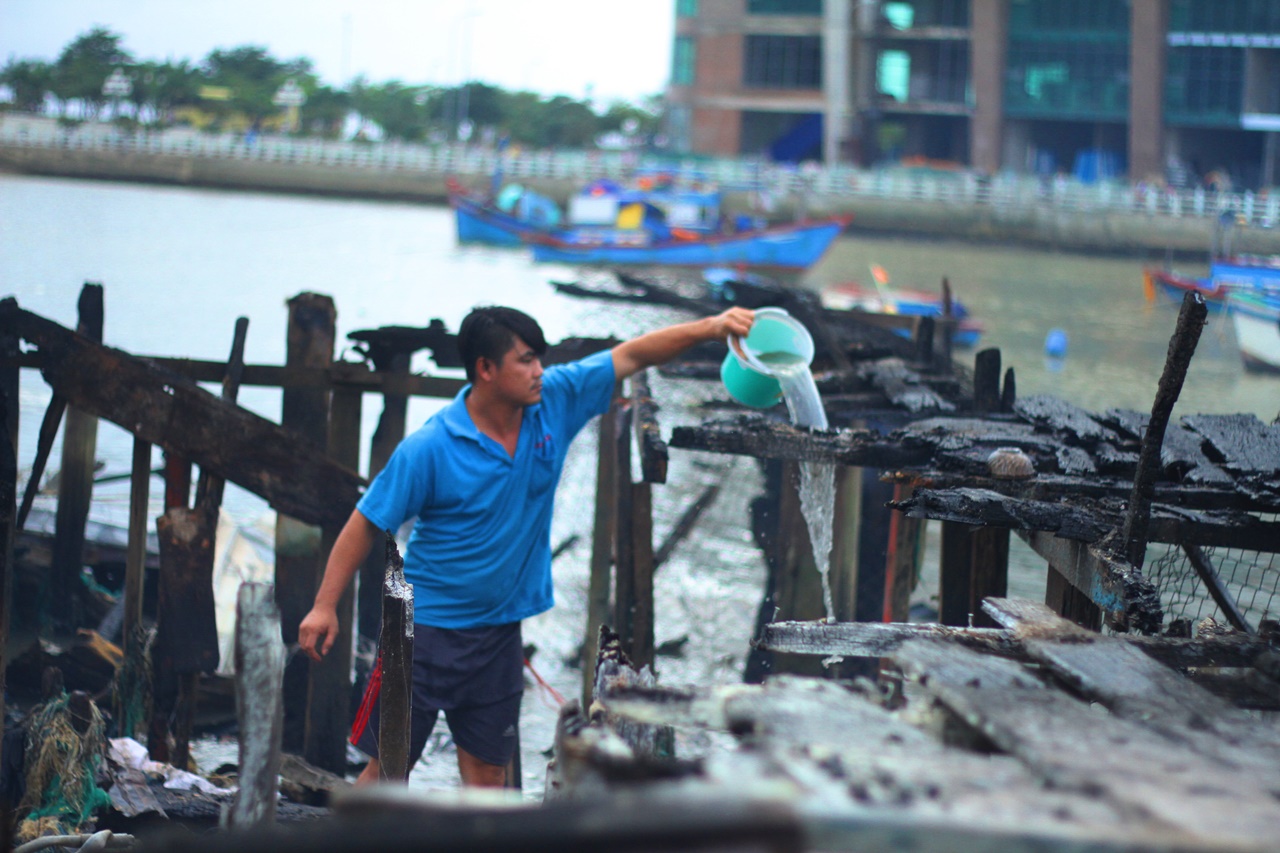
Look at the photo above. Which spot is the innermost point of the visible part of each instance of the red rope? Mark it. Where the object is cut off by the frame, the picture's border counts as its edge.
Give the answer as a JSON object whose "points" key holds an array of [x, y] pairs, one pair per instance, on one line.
{"points": [[366, 704], [543, 684]]}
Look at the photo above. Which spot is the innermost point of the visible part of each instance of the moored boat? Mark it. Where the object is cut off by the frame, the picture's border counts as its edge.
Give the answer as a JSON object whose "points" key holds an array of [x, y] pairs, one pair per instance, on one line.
{"points": [[795, 246], [852, 296], [1256, 320], [1256, 274]]}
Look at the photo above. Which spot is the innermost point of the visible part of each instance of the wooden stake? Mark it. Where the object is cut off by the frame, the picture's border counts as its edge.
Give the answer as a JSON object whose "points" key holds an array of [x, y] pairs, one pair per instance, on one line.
{"points": [[75, 491], [44, 444], [602, 538], [1182, 346], [260, 656], [395, 710]]}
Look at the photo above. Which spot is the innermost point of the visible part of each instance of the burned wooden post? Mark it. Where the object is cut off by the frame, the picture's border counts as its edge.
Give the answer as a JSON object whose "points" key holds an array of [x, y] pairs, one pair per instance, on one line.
{"points": [[624, 591], [602, 539], [1182, 346], [130, 680], [329, 691], [44, 445], [186, 642], [386, 437], [8, 490], [395, 712], [986, 380], [975, 564], [906, 543], [305, 411], [75, 490], [259, 656]]}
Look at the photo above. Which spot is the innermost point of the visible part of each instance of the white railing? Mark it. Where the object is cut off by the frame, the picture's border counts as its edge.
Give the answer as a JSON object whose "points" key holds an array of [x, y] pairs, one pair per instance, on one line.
{"points": [[960, 188]]}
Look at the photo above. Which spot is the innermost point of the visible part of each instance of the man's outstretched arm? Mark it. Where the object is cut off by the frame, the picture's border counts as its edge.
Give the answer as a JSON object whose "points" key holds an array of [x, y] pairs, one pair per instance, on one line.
{"points": [[662, 345], [319, 629]]}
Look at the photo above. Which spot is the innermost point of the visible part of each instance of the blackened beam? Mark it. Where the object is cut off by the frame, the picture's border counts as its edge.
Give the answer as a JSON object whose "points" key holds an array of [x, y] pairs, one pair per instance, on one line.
{"points": [[1052, 487], [771, 440], [168, 409], [1170, 525], [1109, 582], [653, 450], [353, 375], [879, 639]]}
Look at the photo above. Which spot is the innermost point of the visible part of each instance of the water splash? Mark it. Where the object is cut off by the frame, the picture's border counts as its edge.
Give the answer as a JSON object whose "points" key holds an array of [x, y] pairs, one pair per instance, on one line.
{"points": [[817, 479]]}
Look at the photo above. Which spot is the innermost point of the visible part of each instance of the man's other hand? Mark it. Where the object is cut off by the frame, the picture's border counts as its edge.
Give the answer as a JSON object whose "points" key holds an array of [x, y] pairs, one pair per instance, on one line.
{"points": [[317, 632]]}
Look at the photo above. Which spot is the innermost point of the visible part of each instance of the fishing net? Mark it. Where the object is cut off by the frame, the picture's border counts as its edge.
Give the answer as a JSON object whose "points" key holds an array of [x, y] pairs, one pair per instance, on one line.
{"points": [[61, 792], [1251, 578]]}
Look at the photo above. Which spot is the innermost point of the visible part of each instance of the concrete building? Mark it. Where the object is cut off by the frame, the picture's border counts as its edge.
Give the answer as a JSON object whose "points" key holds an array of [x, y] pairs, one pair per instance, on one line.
{"points": [[1172, 90]]}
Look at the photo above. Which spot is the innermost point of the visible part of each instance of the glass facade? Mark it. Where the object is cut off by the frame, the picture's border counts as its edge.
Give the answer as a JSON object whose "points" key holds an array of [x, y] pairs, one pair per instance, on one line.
{"points": [[1068, 60], [927, 13], [1204, 86], [783, 62], [686, 8], [1224, 16], [784, 7], [684, 57]]}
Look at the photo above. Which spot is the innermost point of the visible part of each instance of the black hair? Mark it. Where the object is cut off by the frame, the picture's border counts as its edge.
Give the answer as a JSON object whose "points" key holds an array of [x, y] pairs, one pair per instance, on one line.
{"points": [[491, 331]]}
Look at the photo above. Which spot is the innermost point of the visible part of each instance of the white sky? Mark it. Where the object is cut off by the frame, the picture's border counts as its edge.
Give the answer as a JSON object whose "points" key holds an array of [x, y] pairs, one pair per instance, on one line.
{"points": [[602, 48]]}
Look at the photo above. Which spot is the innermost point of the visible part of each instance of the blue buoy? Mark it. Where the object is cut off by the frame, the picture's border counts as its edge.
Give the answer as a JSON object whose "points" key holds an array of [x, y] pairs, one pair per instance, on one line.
{"points": [[1055, 343]]}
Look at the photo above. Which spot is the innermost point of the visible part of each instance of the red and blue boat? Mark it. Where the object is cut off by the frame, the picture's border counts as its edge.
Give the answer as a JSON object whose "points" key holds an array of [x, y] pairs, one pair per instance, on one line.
{"points": [[1239, 274]]}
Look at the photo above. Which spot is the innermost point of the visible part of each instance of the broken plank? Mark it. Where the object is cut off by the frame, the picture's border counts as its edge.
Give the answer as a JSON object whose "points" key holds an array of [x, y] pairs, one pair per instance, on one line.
{"points": [[1246, 444], [1062, 417], [1181, 453], [774, 440], [985, 507], [175, 413], [1137, 688], [1110, 583], [1075, 748], [260, 657], [903, 386], [881, 639], [653, 450]]}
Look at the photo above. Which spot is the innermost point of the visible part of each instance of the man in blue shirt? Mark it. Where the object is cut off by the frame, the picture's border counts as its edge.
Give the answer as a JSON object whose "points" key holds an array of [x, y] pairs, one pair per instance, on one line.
{"points": [[480, 478]]}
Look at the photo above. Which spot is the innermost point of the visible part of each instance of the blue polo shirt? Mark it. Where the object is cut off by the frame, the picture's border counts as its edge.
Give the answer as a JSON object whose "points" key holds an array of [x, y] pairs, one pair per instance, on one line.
{"points": [[480, 552]]}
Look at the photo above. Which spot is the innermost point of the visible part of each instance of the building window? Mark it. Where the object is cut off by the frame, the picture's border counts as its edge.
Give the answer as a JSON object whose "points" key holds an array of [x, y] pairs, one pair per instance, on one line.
{"points": [[784, 7], [686, 8], [683, 58], [783, 62], [1079, 16], [1080, 80], [1224, 16], [1204, 86], [926, 13]]}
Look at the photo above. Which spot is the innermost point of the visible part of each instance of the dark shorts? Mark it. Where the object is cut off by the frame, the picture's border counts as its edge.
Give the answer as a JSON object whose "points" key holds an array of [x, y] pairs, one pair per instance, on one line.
{"points": [[476, 677]]}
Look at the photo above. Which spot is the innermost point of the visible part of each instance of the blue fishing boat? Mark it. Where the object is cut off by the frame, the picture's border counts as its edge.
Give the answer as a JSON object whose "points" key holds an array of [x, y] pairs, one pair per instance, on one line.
{"points": [[514, 213], [1240, 274], [1256, 320], [791, 247]]}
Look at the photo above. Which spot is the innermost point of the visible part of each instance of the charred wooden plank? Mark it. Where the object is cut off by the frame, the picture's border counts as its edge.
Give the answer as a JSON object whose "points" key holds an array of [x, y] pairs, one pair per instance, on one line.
{"points": [[602, 538], [876, 639], [173, 412], [753, 436], [1063, 418], [904, 387], [260, 657], [1182, 453], [1110, 583], [1075, 462], [1137, 688], [653, 450], [986, 380], [1074, 748], [1245, 444], [985, 507], [44, 443], [881, 639]]}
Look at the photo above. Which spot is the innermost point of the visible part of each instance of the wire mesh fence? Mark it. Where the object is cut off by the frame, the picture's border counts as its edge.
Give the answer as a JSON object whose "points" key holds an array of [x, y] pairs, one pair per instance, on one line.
{"points": [[1250, 578]]}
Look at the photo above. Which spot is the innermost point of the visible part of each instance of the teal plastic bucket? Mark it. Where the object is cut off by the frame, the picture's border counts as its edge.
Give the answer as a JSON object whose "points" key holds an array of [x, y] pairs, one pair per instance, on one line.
{"points": [[745, 377]]}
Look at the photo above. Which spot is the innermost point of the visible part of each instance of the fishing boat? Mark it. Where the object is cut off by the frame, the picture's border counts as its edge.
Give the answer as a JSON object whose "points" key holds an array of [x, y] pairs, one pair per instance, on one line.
{"points": [[1250, 274], [504, 220], [1256, 319], [853, 296], [787, 247], [653, 204]]}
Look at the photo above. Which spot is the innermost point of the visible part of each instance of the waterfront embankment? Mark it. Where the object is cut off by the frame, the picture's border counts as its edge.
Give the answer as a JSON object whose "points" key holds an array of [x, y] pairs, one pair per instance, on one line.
{"points": [[1057, 214]]}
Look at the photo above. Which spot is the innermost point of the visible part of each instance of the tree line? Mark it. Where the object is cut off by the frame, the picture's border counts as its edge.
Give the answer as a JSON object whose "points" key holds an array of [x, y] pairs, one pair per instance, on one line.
{"points": [[237, 89]]}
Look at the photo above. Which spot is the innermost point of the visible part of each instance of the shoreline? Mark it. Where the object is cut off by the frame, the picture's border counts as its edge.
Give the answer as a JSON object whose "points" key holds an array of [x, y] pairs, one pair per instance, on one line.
{"points": [[1115, 232]]}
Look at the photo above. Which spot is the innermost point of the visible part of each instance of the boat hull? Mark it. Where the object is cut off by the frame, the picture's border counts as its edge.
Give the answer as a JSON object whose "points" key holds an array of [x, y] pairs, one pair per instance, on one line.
{"points": [[1257, 327], [789, 247], [477, 223]]}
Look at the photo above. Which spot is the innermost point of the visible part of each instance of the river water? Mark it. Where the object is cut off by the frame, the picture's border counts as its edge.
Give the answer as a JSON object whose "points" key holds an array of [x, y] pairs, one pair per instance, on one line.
{"points": [[180, 265]]}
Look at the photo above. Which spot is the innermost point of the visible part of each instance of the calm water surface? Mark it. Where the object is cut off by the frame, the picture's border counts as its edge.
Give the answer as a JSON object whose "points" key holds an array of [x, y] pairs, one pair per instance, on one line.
{"points": [[179, 266]]}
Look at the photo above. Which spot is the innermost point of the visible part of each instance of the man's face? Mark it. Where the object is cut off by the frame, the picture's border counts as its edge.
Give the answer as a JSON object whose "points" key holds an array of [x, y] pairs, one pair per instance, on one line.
{"points": [[517, 378]]}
